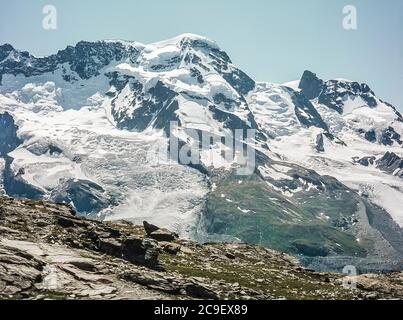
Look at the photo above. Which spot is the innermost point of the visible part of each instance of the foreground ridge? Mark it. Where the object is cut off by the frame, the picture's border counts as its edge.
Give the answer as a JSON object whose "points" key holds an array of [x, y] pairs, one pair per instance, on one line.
{"points": [[46, 251]]}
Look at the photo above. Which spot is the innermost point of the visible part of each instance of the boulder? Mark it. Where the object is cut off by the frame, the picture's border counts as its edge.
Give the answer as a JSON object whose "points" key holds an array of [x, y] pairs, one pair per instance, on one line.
{"points": [[199, 291], [163, 235], [149, 228], [151, 254], [171, 248]]}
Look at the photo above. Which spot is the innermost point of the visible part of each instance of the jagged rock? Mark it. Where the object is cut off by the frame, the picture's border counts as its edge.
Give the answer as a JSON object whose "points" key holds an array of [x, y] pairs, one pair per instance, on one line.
{"points": [[152, 281], [19, 271], [366, 161], [149, 228], [389, 136], [151, 254], [319, 145], [310, 85], [230, 256], [370, 136], [333, 92], [169, 247], [163, 235], [307, 113], [391, 163], [111, 247], [199, 291], [86, 195], [46, 252], [8, 134]]}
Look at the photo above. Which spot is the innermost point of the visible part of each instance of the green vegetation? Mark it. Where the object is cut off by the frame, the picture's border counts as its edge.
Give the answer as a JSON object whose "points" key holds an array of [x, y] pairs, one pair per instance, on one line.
{"points": [[313, 223], [276, 276]]}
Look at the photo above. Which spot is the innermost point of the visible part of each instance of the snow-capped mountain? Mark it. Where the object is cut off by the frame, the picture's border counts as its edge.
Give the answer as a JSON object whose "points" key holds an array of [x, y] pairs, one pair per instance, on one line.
{"points": [[81, 127]]}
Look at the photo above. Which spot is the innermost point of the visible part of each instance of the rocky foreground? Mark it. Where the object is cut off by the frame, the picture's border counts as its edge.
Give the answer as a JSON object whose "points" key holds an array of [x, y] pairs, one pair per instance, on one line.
{"points": [[46, 252]]}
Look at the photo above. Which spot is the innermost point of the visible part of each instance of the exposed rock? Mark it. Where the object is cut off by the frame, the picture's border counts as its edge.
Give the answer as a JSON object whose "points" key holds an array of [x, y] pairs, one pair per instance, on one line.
{"points": [[334, 90], [307, 113], [391, 163], [8, 134], [199, 291], [366, 161], [169, 247], [319, 145], [86, 195], [229, 255], [163, 235], [389, 136], [310, 85], [370, 136], [48, 253], [149, 228]]}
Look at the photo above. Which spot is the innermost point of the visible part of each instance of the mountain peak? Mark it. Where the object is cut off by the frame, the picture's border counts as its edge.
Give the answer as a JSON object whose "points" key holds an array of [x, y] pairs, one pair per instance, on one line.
{"points": [[5, 50], [187, 37], [310, 84], [6, 47]]}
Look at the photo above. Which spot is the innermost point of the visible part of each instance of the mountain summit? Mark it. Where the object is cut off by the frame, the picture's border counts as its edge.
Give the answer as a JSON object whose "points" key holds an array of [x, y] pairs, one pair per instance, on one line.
{"points": [[83, 126]]}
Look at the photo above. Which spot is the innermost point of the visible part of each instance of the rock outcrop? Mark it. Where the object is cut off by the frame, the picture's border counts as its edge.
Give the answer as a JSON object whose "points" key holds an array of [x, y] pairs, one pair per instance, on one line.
{"points": [[47, 252], [390, 163]]}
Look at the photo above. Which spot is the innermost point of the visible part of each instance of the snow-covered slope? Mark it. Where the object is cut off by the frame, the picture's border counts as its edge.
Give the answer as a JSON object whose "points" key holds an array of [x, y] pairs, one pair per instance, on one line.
{"points": [[368, 126], [84, 126]]}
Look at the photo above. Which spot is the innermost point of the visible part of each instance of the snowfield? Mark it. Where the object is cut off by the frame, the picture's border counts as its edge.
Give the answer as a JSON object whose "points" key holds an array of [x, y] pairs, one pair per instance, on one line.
{"points": [[115, 159], [99, 122]]}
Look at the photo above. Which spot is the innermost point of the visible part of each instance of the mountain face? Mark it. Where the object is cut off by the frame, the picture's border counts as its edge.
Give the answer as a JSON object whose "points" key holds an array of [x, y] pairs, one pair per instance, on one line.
{"points": [[92, 126]]}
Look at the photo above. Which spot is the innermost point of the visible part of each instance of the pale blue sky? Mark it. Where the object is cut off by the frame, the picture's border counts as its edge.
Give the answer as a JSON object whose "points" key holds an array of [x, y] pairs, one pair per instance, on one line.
{"points": [[271, 40]]}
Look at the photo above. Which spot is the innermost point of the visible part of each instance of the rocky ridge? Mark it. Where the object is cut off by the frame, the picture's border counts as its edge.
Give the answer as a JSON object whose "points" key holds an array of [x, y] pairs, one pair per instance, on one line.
{"points": [[47, 252]]}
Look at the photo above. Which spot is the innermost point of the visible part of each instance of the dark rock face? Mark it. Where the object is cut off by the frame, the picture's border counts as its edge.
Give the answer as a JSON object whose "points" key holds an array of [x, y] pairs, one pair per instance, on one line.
{"points": [[366, 161], [159, 107], [163, 235], [14, 184], [5, 50], [370, 136], [159, 234], [8, 134], [229, 104], [149, 228], [43, 147], [198, 291], [391, 163], [387, 137], [334, 91], [232, 121], [311, 86], [86, 196], [306, 112], [390, 136], [239, 80], [319, 143], [86, 59]]}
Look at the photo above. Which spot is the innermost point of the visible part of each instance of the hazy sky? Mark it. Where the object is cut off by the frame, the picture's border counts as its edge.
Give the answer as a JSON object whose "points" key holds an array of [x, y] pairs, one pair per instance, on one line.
{"points": [[271, 40]]}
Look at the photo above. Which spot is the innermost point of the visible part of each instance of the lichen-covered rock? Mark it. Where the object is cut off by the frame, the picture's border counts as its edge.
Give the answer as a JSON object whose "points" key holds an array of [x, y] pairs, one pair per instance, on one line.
{"points": [[46, 252]]}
